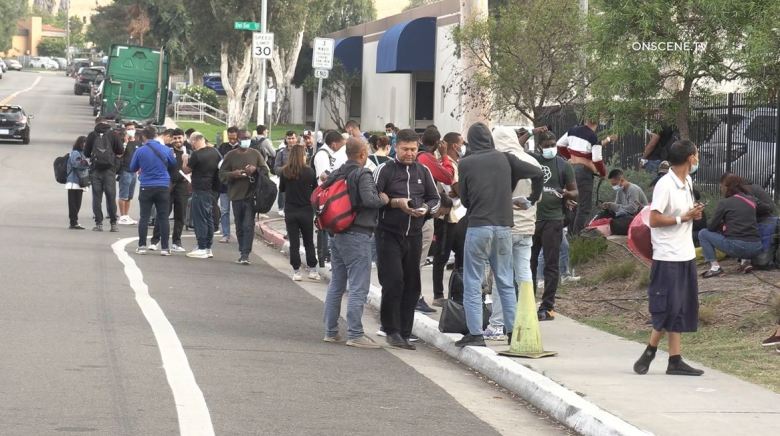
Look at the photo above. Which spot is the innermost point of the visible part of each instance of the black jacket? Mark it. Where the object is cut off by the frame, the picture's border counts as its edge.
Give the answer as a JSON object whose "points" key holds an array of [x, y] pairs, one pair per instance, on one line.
{"points": [[363, 195], [103, 129], [414, 182], [488, 177], [738, 217]]}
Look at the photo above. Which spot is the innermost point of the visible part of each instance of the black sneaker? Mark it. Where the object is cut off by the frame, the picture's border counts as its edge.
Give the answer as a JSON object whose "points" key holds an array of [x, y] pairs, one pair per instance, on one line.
{"points": [[643, 364], [712, 273], [97, 228], [423, 307], [545, 315], [396, 341], [770, 341], [114, 228], [412, 338], [76, 227], [470, 340], [682, 368]]}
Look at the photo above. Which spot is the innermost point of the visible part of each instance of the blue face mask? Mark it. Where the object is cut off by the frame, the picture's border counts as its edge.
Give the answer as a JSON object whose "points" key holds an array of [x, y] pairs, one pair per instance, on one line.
{"points": [[244, 143], [694, 167], [616, 188], [549, 153]]}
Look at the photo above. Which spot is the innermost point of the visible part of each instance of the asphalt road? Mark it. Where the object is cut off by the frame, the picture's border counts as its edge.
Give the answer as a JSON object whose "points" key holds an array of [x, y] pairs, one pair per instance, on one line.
{"points": [[83, 351]]}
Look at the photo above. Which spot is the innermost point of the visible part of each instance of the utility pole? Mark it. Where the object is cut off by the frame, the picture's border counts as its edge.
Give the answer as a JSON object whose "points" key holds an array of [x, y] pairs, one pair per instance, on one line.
{"points": [[261, 78], [67, 33]]}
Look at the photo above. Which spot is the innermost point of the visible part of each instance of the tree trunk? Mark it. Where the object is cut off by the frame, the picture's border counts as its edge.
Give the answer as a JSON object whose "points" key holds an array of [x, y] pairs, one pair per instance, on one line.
{"points": [[235, 84], [473, 111], [683, 111], [283, 64]]}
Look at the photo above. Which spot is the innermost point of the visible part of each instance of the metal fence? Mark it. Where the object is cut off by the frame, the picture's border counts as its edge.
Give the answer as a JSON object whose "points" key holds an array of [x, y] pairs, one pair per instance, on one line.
{"points": [[735, 133]]}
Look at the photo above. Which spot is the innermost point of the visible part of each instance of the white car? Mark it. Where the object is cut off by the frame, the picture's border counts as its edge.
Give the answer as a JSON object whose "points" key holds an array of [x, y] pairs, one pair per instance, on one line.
{"points": [[3, 66], [43, 62]]}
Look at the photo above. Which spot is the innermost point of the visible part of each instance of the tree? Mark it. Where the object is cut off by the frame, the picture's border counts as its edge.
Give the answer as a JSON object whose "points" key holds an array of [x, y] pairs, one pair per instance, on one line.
{"points": [[108, 27], [417, 3], [139, 24], [54, 47], [11, 11], [521, 66], [761, 54], [707, 39], [336, 92], [45, 6]]}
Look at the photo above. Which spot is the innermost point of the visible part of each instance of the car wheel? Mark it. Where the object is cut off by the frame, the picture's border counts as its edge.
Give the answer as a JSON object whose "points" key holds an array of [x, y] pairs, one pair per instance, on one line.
{"points": [[26, 138]]}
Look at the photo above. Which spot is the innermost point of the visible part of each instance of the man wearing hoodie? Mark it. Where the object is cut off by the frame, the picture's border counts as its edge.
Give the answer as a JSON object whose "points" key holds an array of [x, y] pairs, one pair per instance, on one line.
{"points": [[103, 149], [351, 250], [524, 216], [487, 180], [413, 195]]}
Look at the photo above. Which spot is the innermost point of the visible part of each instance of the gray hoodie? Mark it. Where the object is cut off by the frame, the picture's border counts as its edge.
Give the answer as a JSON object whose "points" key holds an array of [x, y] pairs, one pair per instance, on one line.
{"points": [[506, 141], [488, 177]]}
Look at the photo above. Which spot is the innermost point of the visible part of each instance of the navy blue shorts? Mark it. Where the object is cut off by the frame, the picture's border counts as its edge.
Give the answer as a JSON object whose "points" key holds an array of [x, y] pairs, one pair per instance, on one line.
{"points": [[674, 296]]}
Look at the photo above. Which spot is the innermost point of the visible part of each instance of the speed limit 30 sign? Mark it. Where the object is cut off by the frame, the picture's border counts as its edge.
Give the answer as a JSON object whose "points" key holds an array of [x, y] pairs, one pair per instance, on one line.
{"points": [[262, 45]]}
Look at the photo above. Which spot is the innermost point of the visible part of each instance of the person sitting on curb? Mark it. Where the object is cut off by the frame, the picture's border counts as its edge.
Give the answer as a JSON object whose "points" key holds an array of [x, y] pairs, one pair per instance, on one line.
{"points": [[733, 229], [351, 250], [629, 200]]}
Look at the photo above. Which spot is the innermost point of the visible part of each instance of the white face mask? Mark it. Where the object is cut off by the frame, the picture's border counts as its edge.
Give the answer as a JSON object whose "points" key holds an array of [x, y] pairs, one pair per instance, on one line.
{"points": [[131, 133], [549, 153], [245, 143], [616, 188]]}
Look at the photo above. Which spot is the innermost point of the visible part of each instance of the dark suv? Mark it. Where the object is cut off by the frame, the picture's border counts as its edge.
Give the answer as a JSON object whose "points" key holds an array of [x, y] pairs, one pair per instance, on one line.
{"points": [[14, 123], [86, 77]]}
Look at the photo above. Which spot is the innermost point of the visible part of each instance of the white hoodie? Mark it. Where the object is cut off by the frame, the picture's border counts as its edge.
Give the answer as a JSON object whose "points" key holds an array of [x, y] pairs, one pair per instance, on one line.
{"points": [[506, 140]]}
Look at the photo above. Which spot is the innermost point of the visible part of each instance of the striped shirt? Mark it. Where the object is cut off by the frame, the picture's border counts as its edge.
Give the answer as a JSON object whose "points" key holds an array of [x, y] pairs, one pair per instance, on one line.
{"points": [[581, 141]]}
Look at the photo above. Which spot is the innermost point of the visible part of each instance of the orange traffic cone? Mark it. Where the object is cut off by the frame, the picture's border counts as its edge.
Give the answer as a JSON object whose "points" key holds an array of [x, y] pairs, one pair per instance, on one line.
{"points": [[526, 336]]}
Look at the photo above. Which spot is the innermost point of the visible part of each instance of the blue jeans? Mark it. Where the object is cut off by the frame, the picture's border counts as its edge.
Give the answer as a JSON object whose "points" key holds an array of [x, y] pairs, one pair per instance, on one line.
{"points": [[160, 198], [563, 259], [493, 245], [126, 185], [224, 213], [203, 218], [652, 166], [732, 247], [521, 258], [351, 272]]}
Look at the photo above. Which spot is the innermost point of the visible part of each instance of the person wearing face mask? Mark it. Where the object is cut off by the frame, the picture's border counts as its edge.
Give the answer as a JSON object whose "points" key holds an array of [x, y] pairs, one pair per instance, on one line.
{"points": [[224, 200], [673, 293], [629, 200], [392, 134], [179, 189], [560, 192], [238, 171], [127, 178]]}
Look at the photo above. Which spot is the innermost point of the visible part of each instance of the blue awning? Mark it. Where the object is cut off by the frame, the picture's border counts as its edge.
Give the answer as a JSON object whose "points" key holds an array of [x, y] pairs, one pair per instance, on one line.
{"points": [[350, 52], [408, 47]]}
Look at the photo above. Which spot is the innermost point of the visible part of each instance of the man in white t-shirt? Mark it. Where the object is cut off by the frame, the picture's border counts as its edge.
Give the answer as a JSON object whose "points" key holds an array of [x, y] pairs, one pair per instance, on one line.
{"points": [[331, 156], [673, 292]]}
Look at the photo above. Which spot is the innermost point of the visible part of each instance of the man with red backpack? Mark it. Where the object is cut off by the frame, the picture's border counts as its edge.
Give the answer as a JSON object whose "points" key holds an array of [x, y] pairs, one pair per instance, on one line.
{"points": [[351, 248]]}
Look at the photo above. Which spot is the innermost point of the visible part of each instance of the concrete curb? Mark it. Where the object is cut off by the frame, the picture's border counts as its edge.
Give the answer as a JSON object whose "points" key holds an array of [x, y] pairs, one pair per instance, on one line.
{"points": [[564, 405]]}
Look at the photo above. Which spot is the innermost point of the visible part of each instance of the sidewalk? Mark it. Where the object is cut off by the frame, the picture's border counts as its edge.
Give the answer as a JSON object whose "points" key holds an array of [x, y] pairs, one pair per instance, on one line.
{"points": [[591, 387]]}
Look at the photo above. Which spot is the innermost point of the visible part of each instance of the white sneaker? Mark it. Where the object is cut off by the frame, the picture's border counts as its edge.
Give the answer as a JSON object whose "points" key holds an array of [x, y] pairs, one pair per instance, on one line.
{"points": [[297, 277], [123, 220], [198, 254], [178, 249], [153, 247], [140, 250], [381, 333], [572, 279], [165, 252], [314, 275], [209, 253], [130, 221], [281, 212]]}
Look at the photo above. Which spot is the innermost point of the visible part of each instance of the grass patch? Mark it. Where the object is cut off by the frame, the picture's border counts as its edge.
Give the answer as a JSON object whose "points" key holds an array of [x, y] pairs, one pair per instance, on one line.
{"points": [[618, 271], [581, 250], [212, 130]]}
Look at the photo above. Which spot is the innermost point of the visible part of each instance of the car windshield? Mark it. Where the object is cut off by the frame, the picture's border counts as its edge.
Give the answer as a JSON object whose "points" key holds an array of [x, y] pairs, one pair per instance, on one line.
{"points": [[90, 73], [11, 113]]}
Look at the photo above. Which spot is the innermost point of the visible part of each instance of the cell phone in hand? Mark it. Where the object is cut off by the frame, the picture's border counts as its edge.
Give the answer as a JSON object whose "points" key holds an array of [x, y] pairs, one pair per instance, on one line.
{"points": [[421, 210]]}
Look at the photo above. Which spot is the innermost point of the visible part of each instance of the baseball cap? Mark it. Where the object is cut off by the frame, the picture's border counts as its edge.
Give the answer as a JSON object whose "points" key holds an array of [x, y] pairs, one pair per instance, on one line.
{"points": [[663, 168]]}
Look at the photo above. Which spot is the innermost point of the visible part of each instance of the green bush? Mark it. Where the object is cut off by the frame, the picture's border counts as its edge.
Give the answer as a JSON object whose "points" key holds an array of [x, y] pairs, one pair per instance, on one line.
{"points": [[203, 94], [581, 250], [618, 271]]}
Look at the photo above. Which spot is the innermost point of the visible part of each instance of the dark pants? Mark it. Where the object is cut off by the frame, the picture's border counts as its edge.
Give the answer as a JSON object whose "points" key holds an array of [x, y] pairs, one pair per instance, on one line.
{"points": [[104, 184], [159, 198], [244, 215], [203, 218], [280, 201], [323, 250], [177, 202], [74, 205], [584, 177], [548, 236], [300, 222], [398, 265], [452, 237]]}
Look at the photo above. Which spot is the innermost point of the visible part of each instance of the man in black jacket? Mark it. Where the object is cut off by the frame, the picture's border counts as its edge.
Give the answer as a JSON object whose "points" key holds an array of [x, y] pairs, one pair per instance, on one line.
{"points": [[413, 195], [103, 149], [487, 180], [351, 250]]}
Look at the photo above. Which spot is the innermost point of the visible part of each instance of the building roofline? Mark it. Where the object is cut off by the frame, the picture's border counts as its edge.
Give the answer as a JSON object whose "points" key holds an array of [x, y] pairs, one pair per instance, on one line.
{"points": [[440, 9]]}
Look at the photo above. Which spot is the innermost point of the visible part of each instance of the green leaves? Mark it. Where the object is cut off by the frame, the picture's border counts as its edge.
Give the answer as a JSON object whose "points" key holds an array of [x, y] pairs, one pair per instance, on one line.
{"points": [[10, 11]]}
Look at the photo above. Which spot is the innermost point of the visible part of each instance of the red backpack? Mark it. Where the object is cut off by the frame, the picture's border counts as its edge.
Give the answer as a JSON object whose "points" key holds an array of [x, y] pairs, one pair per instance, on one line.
{"points": [[333, 206]]}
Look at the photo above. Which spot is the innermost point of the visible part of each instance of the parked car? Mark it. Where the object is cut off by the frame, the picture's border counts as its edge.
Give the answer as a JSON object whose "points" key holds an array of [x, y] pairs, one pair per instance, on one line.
{"points": [[3, 66], [62, 63], [43, 62], [86, 77], [13, 64], [74, 66], [14, 123], [1, 73], [753, 146], [214, 81]]}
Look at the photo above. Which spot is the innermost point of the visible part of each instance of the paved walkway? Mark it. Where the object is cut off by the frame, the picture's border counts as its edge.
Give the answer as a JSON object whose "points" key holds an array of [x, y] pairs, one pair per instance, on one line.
{"points": [[598, 367]]}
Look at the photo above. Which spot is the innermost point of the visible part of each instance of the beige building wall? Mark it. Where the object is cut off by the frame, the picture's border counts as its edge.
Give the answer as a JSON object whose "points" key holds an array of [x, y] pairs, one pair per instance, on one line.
{"points": [[387, 8]]}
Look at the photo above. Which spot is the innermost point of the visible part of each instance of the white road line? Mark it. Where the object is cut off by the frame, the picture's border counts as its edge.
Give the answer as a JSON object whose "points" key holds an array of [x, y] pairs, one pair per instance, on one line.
{"points": [[30, 88], [193, 413]]}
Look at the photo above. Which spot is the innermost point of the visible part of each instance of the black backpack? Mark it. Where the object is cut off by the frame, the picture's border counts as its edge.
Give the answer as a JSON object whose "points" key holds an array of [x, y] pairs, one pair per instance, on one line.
{"points": [[264, 192], [103, 157], [61, 169], [330, 158]]}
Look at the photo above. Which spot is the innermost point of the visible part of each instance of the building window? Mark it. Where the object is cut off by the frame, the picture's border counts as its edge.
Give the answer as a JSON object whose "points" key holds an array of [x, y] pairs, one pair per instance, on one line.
{"points": [[356, 102], [308, 102], [423, 101]]}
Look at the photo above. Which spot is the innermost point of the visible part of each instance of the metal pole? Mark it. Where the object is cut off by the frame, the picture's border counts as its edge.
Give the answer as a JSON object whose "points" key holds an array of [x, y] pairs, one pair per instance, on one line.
{"points": [[729, 119], [777, 152], [262, 90], [317, 108], [67, 34]]}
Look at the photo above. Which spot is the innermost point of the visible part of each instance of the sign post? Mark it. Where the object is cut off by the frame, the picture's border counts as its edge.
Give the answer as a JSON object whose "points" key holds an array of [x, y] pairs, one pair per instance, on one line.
{"points": [[270, 98], [322, 62]]}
